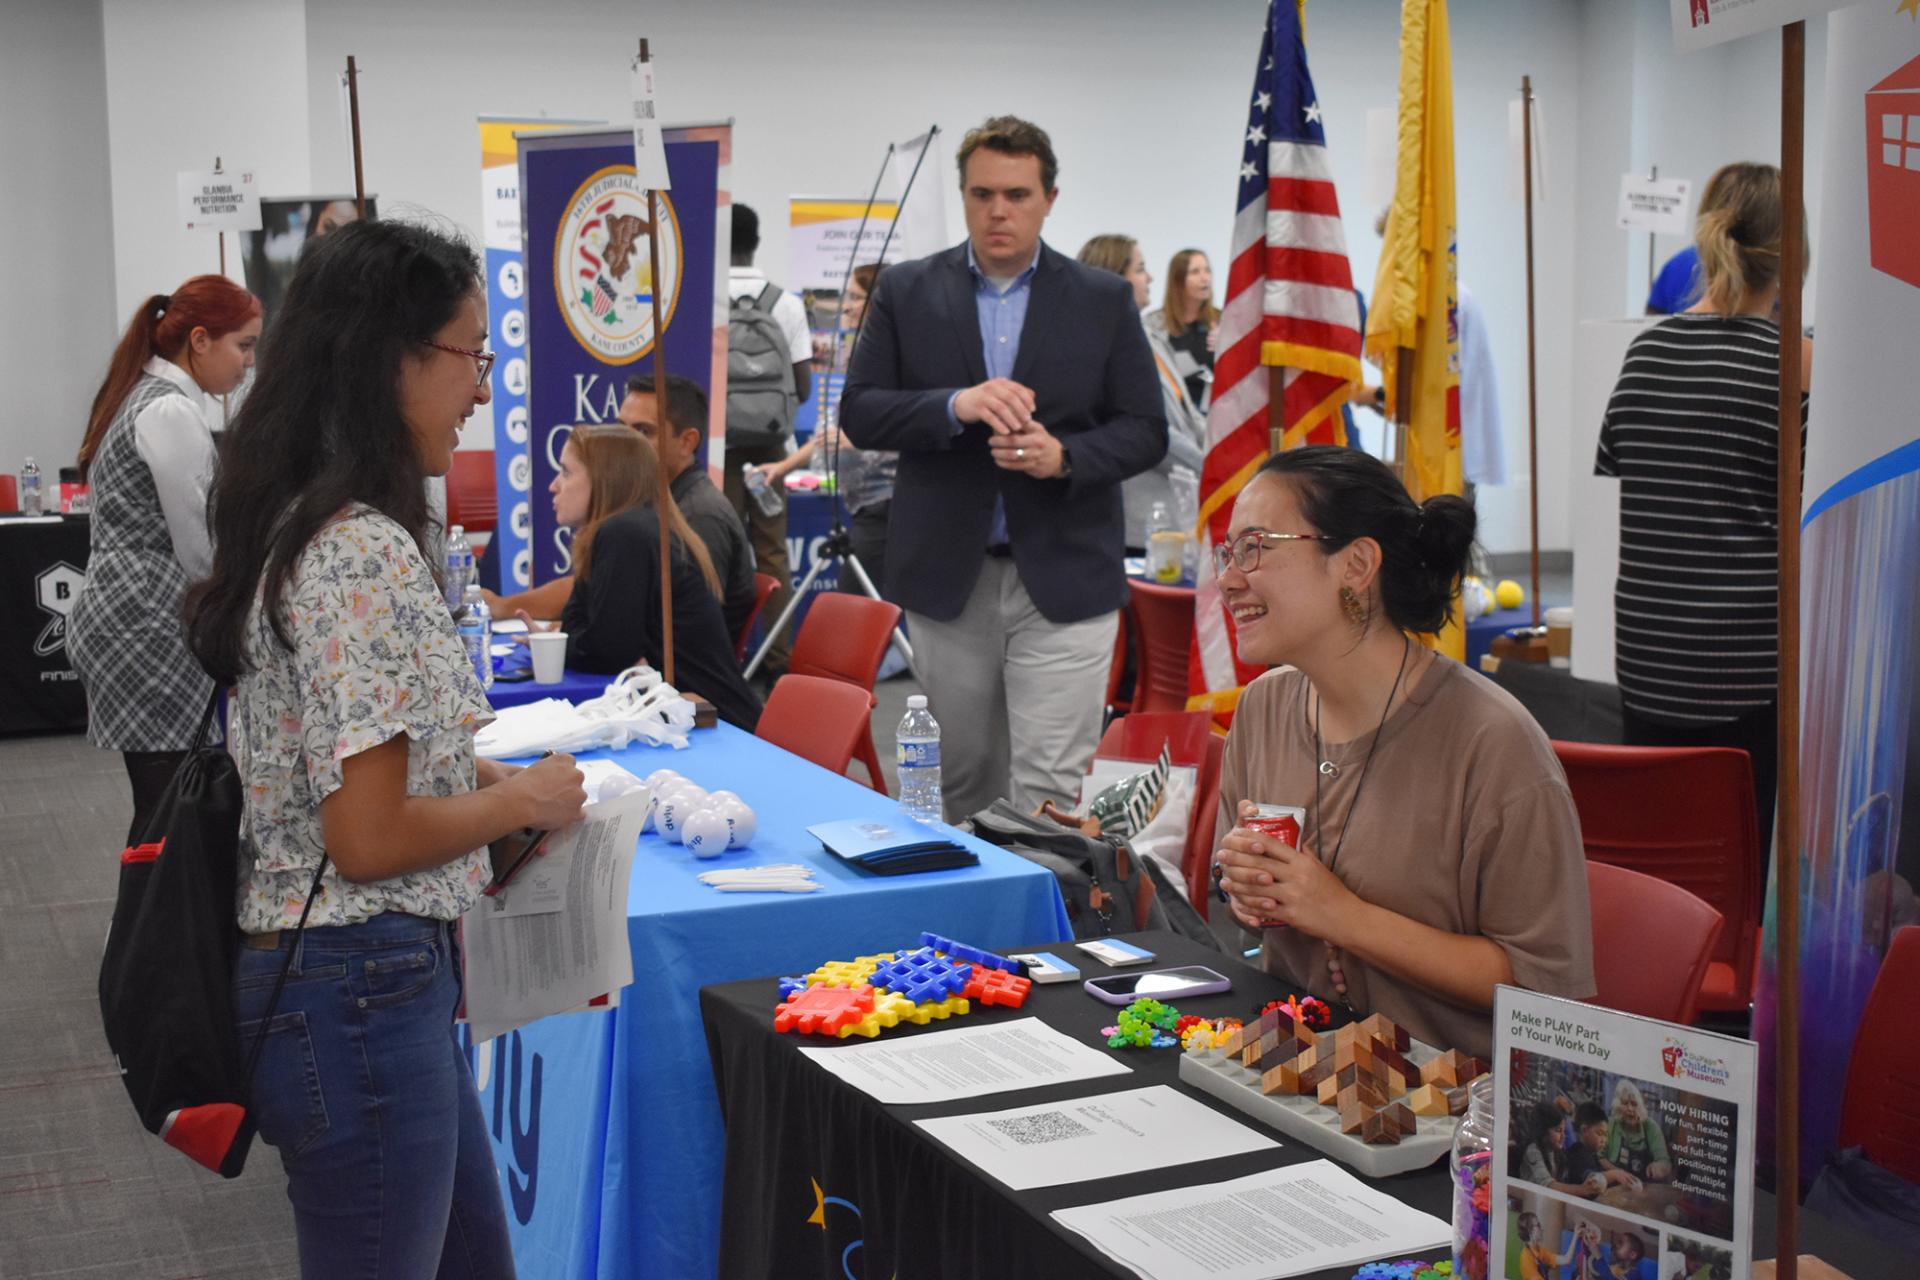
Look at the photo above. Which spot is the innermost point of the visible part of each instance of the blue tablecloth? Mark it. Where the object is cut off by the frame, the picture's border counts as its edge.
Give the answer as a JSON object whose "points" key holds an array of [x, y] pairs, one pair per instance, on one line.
{"points": [[605, 1125], [574, 686]]}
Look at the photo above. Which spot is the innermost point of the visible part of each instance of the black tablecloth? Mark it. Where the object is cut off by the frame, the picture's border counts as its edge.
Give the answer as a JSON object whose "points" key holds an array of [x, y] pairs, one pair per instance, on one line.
{"points": [[41, 568], [821, 1180]]}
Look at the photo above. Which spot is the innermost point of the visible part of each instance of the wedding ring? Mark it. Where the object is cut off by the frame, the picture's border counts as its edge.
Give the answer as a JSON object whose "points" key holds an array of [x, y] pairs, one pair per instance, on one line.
{"points": [[1019, 455]]}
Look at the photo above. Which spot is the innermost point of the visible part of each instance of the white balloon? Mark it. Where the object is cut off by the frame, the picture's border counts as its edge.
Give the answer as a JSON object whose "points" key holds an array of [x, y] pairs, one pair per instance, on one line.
{"points": [[742, 822], [706, 831]]}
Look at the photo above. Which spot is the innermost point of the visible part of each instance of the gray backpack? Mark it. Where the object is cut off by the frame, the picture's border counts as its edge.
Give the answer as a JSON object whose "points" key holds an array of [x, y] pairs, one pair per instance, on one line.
{"points": [[760, 394]]}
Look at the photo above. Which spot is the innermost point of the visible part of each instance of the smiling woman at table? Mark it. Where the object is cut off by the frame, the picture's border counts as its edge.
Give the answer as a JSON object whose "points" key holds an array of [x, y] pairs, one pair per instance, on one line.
{"points": [[352, 728], [1440, 854], [604, 491]]}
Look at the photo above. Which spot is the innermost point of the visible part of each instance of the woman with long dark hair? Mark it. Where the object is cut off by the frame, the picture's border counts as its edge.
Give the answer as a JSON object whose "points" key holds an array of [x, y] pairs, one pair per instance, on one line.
{"points": [[148, 455], [352, 723], [604, 491], [1439, 855]]}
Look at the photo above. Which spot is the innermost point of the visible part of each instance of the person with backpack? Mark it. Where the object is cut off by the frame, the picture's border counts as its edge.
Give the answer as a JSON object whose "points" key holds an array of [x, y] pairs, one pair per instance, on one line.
{"points": [[769, 373], [366, 820]]}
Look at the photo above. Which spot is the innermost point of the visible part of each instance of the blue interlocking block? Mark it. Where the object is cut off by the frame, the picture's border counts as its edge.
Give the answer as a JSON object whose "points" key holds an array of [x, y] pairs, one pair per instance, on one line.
{"points": [[973, 955], [922, 977], [791, 987]]}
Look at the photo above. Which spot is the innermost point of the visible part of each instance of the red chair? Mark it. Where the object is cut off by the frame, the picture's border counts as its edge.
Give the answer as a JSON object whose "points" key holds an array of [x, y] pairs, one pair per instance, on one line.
{"points": [[1163, 637], [472, 501], [1881, 1108], [1684, 815], [1651, 943], [1117, 673], [1191, 742], [845, 637], [816, 719], [764, 585]]}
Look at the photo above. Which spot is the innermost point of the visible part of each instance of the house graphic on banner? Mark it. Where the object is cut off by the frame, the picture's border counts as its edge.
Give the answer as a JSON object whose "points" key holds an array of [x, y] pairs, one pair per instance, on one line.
{"points": [[1893, 174]]}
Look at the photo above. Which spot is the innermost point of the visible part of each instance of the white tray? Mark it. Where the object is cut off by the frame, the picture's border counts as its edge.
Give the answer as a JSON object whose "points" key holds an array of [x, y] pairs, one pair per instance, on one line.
{"points": [[1301, 1116]]}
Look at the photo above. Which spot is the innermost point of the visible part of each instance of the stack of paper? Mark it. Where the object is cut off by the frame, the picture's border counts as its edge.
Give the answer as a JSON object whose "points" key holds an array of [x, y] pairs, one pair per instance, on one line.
{"points": [[892, 846]]}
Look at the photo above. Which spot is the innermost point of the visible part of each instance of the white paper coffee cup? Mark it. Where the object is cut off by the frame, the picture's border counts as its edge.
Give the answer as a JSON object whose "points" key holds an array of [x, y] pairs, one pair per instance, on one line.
{"points": [[549, 656]]}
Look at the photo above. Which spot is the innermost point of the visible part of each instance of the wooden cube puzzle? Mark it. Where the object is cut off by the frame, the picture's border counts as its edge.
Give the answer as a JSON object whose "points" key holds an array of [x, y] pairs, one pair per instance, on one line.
{"points": [[1280, 1079], [1402, 1117], [1428, 1100], [1452, 1069], [1363, 1092], [1378, 1127]]}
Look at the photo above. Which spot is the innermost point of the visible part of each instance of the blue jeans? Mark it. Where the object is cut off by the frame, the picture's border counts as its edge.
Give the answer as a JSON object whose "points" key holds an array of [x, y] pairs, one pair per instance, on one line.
{"points": [[364, 1090]]}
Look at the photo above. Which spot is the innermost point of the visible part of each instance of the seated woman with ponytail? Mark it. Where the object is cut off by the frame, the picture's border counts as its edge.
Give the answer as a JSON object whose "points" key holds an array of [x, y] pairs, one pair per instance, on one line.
{"points": [[604, 492], [148, 456], [1439, 855]]}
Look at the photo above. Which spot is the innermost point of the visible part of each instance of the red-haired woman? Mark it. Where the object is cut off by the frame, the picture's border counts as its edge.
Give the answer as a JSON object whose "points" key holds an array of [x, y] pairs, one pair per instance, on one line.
{"points": [[148, 456]]}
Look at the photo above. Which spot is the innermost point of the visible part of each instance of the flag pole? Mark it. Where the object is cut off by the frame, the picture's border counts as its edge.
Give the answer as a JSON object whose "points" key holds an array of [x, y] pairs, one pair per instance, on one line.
{"points": [[1786, 827], [663, 493], [353, 112], [1533, 396], [1276, 410]]}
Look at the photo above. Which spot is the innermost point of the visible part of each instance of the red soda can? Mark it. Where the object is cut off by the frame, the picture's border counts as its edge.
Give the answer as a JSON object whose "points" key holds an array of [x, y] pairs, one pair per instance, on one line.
{"points": [[1280, 822]]}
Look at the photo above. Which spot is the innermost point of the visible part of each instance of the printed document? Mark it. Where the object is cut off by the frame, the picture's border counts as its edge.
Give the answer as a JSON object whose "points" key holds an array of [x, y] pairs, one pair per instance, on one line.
{"points": [[555, 937], [1284, 1222], [1102, 1136], [966, 1062]]}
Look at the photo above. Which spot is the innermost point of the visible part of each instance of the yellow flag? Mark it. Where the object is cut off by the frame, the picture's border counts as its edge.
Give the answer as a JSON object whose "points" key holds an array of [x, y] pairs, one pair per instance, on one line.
{"points": [[1416, 295]]}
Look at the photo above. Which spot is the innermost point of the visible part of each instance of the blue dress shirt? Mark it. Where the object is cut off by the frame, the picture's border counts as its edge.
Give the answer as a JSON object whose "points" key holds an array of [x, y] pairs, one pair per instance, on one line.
{"points": [[1002, 317]]}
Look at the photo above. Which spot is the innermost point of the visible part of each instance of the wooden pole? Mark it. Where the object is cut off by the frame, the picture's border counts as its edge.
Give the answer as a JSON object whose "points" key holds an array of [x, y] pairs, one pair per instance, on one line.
{"points": [[1533, 394], [353, 115], [1786, 825], [1402, 416], [663, 494]]}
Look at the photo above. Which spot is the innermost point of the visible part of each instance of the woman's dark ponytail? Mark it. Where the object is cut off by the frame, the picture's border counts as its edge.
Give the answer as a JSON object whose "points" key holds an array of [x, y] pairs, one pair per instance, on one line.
{"points": [[1425, 547]]}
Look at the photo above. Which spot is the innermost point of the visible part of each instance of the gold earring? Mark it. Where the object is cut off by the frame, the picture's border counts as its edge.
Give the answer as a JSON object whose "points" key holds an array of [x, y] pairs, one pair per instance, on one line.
{"points": [[1354, 607]]}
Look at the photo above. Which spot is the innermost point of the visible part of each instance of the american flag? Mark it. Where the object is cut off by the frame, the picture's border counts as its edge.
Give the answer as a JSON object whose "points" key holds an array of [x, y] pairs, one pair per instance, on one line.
{"points": [[1291, 313], [602, 295]]}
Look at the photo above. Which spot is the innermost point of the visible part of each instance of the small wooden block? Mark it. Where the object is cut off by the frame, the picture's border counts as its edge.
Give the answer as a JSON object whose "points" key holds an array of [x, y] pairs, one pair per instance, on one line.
{"points": [[1293, 1046], [1385, 1029], [1428, 1100], [1281, 1079], [1321, 1068], [1234, 1042], [1402, 1117], [705, 715], [1442, 1071], [1378, 1129], [1363, 1093], [1396, 1061], [1266, 1024], [1250, 1051], [1353, 1117], [1329, 1092], [1456, 1102], [1398, 1083]]}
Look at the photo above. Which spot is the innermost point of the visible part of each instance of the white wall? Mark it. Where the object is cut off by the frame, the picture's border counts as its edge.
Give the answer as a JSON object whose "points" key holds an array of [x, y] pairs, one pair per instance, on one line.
{"points": [[187, 83], [56, 226], [1143, 99]]}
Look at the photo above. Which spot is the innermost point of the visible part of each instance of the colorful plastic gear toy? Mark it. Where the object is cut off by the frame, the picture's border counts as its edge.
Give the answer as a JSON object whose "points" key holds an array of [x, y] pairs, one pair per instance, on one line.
{"points": [[921, 976], [823, 1011], [972, 955]]}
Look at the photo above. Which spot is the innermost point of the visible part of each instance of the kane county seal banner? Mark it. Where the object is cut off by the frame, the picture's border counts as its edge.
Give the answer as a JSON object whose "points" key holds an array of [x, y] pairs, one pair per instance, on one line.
{"points": [[590, 289], [1860, 564]]}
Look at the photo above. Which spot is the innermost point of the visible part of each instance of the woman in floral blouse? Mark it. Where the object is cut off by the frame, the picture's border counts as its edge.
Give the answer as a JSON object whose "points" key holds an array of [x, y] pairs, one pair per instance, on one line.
{"points": [[352, 725]]}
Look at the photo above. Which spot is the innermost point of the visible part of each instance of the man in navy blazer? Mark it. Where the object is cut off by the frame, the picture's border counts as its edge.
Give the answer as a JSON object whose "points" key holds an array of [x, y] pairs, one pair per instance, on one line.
{"points": [[1019, 390]]}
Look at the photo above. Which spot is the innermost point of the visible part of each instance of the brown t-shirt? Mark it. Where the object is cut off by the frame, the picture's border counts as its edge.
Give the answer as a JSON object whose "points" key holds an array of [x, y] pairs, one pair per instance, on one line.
{"points": [[1465, 825]]}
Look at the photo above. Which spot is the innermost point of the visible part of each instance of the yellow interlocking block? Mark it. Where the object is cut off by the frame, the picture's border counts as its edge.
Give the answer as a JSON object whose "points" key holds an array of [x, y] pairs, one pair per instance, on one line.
{"points": [[847, 973]]}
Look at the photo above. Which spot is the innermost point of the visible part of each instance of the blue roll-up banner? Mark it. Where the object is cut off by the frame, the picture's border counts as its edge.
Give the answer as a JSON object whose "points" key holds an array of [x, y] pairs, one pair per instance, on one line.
{"points": [[589, 289]]}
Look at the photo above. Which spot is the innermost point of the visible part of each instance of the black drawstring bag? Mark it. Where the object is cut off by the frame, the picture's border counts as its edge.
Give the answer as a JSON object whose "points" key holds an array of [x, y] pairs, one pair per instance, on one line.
{"points": [[166, 993]]}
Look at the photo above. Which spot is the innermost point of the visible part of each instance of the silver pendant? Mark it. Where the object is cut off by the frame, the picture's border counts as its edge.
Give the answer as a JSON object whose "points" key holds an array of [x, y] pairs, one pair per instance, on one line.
{"points": [[1330, 769]]}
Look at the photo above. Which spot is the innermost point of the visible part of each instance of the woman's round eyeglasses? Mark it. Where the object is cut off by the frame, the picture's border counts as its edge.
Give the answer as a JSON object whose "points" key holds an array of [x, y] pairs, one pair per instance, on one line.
{"points": [[484, 359], [1243, 553]]}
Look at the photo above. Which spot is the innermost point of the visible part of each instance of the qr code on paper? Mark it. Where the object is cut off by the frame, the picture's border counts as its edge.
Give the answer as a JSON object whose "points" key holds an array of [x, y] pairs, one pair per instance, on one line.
{"points": [[1035, 1130]]}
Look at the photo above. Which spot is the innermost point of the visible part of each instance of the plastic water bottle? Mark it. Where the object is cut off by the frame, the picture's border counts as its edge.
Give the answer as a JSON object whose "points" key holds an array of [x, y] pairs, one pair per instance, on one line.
{"points": [[917, 757], [476, 633], [1166, 545], [760, 489], [32, 498], [459, 567]]}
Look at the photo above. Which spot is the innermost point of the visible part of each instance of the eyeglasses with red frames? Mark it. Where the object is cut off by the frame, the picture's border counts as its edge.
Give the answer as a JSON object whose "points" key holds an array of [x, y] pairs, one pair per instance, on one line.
{"points": [[1243, 553], [484, 359]]}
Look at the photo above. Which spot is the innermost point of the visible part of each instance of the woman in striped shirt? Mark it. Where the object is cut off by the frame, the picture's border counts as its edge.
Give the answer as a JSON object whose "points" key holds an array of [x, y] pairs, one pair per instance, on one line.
{"points": [[1692, 433]]}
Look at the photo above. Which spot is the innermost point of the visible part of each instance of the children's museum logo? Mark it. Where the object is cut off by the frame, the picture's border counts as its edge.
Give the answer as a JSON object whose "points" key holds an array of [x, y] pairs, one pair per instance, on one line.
{"points": [[1683, 1064], [601, 268]]}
